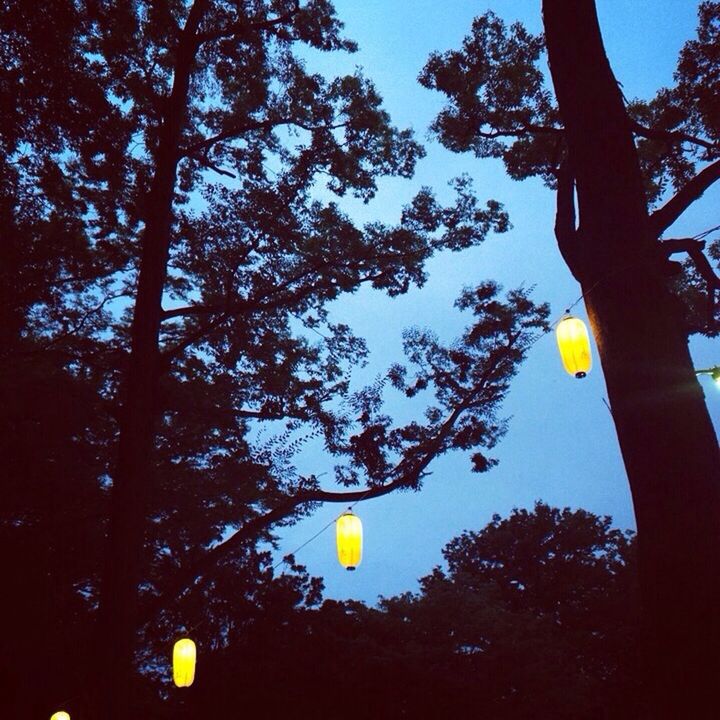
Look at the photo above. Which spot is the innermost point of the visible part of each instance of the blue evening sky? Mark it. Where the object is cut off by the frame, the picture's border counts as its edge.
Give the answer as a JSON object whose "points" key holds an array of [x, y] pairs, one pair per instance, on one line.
{"points": [[561, 445]]}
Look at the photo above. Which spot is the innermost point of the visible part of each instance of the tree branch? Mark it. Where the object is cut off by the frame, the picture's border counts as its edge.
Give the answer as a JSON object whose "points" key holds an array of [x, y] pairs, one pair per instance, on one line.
{"points": [[240, 28], [671, 136], [694, 250], [167, 357], [404, 475], [205, 162], [260, 415], [240, 130], [201, 571], [192, 310], [665, 216], [521, 132], [80, 323]]}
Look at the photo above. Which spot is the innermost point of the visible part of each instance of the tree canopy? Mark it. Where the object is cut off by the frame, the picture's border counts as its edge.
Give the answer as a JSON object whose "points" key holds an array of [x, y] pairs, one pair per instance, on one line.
{"points": [[499, 105], [171, 194], [534, 615]]}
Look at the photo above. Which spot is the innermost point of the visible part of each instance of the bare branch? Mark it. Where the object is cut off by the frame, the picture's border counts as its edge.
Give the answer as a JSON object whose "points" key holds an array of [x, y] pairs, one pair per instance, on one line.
{"points": [[665, 216]]}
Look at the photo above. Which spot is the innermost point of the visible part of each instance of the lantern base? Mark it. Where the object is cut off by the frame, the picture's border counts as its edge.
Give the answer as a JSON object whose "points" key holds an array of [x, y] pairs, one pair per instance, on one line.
{"points": [[350, 568], [580, 375]]}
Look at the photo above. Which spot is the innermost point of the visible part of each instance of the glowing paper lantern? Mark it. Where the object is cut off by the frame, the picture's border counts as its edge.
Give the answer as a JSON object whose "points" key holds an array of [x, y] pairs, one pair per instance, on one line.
{"points": [[574, 345], [184, 654], [60, 715], [349, 540]]}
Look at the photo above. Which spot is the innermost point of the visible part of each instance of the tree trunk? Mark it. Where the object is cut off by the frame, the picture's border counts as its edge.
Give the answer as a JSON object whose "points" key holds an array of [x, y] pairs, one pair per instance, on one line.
{"points": [[134, 473], [666, 437]]}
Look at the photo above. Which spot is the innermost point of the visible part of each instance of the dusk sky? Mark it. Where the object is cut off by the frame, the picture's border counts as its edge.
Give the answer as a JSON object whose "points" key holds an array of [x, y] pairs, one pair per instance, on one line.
{"points": [[561, 445]]}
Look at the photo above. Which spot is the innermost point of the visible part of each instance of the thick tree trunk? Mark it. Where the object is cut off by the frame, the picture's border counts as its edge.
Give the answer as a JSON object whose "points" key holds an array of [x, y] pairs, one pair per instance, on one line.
{"points": [[666, 437], [135, 466]]}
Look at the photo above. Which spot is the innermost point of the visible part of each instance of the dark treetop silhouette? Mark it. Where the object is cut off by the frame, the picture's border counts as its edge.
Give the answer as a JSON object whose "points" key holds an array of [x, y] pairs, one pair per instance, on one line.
{"points": [[537, 615]]}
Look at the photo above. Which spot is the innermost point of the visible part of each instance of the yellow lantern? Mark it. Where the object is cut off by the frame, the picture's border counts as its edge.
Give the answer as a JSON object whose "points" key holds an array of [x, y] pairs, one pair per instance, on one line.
{"points": [[349, 540], [60, 715], [184, 654], [574, 344]]}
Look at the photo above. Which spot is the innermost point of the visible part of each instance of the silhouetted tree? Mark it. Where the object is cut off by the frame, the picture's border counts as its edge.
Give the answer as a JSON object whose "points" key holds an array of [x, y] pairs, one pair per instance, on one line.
{"points": [[167, 252], [52, 444], [537, 615], [620, 159]]}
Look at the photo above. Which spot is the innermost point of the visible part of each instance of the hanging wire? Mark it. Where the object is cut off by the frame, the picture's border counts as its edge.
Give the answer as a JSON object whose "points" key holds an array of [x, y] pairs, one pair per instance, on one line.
{"points": [[322, 530], [607, 405], [526, 347], [307, 542], [369, 490], [702, 235]]}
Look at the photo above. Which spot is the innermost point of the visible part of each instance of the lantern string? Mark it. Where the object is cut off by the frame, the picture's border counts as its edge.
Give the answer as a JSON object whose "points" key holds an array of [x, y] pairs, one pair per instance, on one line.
{"points": [[552, 326], [322, 530], [585, 294], [307, 542]]}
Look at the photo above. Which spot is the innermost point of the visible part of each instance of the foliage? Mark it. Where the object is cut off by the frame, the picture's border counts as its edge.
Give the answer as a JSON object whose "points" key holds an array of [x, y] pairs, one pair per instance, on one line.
{"points": [[51, 525], [536, 616], [498, 106], [259, 246]]}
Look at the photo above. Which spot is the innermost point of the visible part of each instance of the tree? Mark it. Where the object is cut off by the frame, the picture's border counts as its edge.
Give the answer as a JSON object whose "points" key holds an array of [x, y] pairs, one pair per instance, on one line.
{"points": [[169, 254], [50, 529], [536, 615], [620, 159]]}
